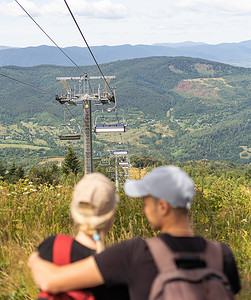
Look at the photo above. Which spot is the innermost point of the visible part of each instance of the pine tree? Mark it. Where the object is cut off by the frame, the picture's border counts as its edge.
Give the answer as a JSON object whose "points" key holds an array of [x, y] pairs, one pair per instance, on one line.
{"points": [[2, 169], [12, 169], [71, 163], [20, 172]]}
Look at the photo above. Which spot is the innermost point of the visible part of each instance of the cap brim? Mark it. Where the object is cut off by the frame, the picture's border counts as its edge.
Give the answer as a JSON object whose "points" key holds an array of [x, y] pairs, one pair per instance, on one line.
{"points": [[135, 188]]}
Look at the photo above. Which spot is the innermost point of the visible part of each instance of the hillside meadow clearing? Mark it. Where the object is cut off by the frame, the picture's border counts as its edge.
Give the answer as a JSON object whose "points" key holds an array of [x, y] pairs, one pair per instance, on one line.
{"points": [[221, 211]]}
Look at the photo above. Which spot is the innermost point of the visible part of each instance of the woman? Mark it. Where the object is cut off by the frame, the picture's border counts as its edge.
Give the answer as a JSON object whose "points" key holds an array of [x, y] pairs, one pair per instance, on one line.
{"points": [[93, 208]]}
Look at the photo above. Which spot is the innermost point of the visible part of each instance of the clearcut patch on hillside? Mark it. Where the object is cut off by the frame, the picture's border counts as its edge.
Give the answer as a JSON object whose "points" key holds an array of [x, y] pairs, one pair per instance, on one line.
{"points": [[246, 153]]}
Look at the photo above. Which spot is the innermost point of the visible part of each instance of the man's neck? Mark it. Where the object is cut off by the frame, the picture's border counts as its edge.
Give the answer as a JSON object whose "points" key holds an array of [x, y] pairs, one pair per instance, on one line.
{"points": [[179, 232], [177, 226]]}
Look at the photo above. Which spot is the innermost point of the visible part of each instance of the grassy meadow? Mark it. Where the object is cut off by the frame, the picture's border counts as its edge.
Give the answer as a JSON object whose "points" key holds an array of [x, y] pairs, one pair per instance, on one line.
{"points": [[221, 210]]}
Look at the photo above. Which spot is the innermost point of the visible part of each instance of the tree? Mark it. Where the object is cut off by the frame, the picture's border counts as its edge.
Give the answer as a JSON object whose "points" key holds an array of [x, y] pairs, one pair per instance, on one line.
{"points": [[71, 162], [20, 172], [12, 169], [2, 169], [15, 173]]}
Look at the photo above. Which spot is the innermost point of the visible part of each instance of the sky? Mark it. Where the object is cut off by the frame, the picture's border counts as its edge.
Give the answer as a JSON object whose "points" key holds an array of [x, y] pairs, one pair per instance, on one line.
{"points": [[118, 22]]}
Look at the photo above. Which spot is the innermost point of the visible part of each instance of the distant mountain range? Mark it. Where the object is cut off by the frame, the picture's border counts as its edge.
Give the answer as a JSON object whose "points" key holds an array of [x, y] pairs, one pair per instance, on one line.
{"points": [[238, 54]]}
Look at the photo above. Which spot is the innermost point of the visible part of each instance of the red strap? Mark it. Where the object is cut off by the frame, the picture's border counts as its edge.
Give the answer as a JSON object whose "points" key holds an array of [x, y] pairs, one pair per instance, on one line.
{"points": [[80, 295], [62, 256], [45, 295], [62, 249]]}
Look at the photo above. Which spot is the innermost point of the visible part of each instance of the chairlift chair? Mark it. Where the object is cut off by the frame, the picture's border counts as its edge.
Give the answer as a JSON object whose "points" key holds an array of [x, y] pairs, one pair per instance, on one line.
{"points": [[110, 170], [124, 164], [105, 162], [96, 156], [115, 128], [109, 122], [119, 152], [69, 131]]}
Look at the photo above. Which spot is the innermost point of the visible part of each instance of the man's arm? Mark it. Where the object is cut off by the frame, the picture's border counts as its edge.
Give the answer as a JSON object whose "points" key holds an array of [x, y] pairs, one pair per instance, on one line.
{"points": [[55, 279]]}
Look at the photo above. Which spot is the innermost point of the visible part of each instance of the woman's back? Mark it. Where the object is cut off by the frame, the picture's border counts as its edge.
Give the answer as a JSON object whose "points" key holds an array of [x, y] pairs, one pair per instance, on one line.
{"points": [[93, 206], [78, 252]]}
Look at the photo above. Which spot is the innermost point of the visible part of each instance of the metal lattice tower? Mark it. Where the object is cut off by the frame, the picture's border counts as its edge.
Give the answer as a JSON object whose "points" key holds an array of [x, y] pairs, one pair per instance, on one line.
{"points": [[87, 137], [85, 97]]}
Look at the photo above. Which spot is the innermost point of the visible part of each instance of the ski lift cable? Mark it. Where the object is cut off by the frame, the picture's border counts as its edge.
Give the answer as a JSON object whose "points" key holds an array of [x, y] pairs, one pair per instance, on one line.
{"points": [[49, 37], [34, 87], [88, 47]]}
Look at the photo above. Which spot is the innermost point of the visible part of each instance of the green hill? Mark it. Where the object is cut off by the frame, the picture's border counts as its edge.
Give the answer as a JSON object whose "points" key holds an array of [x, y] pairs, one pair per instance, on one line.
{"points": [[177, 108]]}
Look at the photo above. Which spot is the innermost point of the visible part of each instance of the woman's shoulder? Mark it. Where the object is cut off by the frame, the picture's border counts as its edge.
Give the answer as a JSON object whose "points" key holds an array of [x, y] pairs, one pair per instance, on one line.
{"points": [[78, 250], [45, 249]]}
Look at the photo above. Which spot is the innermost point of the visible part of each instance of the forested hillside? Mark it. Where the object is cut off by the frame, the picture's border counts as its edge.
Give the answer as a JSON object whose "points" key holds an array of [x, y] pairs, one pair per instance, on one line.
{"points": [[176, 108]]}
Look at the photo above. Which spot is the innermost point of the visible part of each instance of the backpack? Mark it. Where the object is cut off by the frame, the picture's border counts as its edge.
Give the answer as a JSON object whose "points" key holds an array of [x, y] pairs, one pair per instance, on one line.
{"points": [[62, 256], [206, 281]]}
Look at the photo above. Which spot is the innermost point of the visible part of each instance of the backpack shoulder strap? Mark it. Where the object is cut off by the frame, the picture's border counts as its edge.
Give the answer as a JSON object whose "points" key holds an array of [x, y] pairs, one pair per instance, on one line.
{"points": [[213, 255], [159, 250], [62, 249]]}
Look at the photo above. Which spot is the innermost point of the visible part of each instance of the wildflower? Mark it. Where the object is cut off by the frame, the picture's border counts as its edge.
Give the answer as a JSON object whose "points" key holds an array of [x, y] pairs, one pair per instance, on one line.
{"points": [[244, 220]]}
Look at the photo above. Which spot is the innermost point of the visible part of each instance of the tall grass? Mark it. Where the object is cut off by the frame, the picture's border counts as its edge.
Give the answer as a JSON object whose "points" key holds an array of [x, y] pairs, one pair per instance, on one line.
{"points": [[28, 214]]}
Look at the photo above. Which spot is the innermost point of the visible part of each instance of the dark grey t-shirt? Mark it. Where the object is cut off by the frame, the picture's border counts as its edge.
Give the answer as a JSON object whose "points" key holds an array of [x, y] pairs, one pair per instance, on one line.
{"points": [[131, 263]]}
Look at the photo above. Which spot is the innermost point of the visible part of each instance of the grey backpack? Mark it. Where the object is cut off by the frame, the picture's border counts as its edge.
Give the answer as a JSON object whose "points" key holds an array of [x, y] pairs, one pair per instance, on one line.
{"points": [[204, 282]]}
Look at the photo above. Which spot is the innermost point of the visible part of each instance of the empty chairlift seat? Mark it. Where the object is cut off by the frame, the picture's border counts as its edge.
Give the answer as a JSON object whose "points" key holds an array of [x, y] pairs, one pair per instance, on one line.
{"points": [[120, 152], [109, 121], [105, 162], [124, 164], [112, 128], [69, 132]]}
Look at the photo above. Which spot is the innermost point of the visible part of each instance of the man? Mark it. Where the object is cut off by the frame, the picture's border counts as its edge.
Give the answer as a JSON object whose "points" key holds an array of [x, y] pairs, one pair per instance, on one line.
{"points": [[167, 193]]}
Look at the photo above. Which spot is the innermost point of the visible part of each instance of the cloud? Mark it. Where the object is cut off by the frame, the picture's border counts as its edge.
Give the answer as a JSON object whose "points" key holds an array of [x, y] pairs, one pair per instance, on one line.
{"points": [[167, 8], [12, 9], [101, 9], [231, 7]]}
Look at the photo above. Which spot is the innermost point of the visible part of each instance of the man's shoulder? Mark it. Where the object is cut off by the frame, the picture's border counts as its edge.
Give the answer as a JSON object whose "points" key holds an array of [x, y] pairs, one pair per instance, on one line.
{"points": [[129, 244], [183, 243], [126, 250]]}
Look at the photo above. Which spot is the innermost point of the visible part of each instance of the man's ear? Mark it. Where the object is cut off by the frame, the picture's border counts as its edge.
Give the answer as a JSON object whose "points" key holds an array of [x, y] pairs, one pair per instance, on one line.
{"points": [[164, 207]]}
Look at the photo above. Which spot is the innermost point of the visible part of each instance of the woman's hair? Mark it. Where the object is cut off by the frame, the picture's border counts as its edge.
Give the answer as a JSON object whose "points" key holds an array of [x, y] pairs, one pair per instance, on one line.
{"points": [[93, 206]]}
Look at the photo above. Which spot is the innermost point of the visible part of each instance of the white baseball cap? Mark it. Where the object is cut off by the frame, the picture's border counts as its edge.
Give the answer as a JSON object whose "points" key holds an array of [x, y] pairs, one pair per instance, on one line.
{"points": [[169, 183]]}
